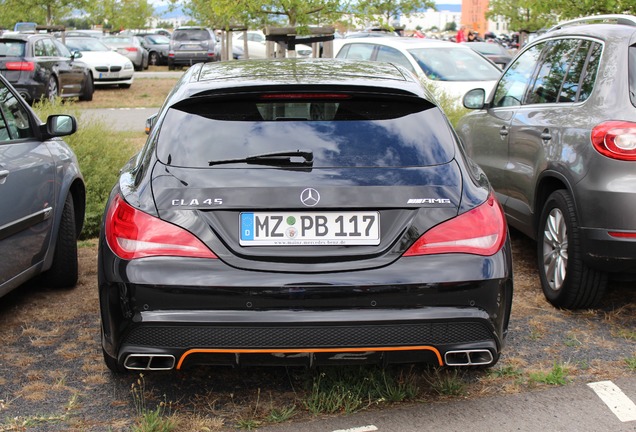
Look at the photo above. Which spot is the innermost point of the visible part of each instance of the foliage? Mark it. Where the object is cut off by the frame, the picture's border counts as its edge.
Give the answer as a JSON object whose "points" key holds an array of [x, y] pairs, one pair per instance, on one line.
{"points": [[523, 15], [120, 14], [390, 9], [149, 420], [557, 376], [100, 152], [39, 11], [447, 382], [631, 363]]}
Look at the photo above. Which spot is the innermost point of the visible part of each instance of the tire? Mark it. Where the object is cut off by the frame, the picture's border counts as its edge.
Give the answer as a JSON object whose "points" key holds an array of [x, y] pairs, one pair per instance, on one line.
{"points": [[566, 280], [89, 89], [64, 270], [170, 65], [153, 58], [52, 89]]}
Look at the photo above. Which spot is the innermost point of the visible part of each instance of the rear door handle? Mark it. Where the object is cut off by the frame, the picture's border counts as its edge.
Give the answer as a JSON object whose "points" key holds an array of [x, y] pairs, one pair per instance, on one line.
{"points": [[546, 135], [3, 176], [503, 131]]}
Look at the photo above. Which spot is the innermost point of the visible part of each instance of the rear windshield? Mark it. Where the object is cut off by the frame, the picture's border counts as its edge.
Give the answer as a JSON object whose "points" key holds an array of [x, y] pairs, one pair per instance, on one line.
{"points": [[195, 35], [353, 132], [12, 48]]}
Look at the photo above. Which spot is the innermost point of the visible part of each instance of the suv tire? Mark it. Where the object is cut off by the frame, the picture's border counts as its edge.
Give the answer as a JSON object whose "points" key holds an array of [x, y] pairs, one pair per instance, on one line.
{"points": [[566, 280]]}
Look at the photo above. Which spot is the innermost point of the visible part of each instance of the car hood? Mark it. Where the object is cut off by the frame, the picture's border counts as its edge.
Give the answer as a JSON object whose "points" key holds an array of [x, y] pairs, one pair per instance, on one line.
{"points": [[100, 58]]}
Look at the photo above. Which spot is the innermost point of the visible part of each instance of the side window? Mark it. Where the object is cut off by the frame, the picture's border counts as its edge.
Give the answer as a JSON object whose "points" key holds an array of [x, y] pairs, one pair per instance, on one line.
{"points": [[15, 117], [515, 81], [591, 68], [360, 52], [38, 48], [62, 49], [389, 54], [49, 48], [559, 60]]}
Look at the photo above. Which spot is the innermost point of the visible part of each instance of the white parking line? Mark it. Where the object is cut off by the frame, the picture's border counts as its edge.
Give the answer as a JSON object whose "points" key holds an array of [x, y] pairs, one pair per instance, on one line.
{"points": [[369, 428], [615, 399]]}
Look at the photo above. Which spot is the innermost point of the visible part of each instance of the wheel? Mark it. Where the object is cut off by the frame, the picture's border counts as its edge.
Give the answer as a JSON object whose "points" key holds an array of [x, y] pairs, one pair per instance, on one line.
{"points": [[566, 280], [145, 62], [170, 65], [125, 86], [52, 90], [153, 59], [63, 272], [89, 89]]}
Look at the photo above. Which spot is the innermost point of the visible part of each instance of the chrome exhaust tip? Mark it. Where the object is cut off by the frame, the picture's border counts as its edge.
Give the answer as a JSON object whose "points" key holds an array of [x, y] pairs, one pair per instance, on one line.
{"points": [[155, 362], [478, 357]]}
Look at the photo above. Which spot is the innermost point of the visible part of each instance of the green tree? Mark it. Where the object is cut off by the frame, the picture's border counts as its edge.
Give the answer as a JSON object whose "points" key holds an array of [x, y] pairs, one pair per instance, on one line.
{"points": [[388, 9], [120, 14], [523, 15], [40, 11], [567, 9]]}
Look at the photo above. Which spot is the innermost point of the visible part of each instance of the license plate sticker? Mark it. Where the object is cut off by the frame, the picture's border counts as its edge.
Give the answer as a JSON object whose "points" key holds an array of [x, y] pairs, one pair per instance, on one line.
{"points": [[309, 229]]}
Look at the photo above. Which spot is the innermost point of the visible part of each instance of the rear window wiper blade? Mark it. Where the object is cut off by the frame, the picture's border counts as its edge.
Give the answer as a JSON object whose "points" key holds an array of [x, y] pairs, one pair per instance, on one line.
{"points": [[281, 159]]}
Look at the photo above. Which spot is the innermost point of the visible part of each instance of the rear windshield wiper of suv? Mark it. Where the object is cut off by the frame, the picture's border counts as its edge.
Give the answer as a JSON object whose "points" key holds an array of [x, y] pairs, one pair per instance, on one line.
{"points": [[296, 158]]}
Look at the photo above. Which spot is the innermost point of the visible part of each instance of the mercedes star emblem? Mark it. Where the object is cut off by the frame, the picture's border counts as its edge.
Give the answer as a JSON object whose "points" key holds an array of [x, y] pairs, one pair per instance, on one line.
{"points": [[310, 197]]}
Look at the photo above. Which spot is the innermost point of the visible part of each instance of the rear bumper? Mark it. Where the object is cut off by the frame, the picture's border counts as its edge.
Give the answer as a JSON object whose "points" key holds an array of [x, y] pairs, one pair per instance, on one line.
{"points": [[609, 253], [190, 58], [205, 312], [311, 338]]}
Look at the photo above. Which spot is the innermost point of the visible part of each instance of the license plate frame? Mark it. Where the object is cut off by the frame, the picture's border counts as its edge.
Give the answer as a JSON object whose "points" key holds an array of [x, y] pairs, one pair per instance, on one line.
{"points": [[339, 228]]}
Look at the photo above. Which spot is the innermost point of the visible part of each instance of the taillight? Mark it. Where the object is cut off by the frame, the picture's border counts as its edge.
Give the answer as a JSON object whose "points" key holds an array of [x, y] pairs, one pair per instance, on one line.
{"points": [[131, 234], [131, 49], [616, 140], [26, 66], [480, 231]]}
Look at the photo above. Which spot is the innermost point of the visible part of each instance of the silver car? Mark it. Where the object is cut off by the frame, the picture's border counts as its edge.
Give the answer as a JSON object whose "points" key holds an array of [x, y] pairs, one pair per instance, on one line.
{"points": [[129, 46], [42, 194], [557, 140]]}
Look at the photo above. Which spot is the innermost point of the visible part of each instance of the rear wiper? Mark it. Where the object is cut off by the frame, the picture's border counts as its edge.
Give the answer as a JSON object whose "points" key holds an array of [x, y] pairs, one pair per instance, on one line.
{"points": [[282, 159]]}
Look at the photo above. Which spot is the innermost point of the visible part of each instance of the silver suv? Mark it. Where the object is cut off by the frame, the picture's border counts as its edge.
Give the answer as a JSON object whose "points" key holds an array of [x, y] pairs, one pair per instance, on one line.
{"points": [[557, 140], [190, 45]]}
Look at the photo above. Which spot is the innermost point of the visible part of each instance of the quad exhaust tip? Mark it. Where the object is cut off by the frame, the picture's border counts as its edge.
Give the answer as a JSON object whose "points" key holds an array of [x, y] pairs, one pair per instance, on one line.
{"points": [[155, 362], [478, 357]]}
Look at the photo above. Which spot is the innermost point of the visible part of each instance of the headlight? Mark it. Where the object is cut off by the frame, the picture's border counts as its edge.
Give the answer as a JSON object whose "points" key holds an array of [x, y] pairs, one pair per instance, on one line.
{"points": [[128, 65]]}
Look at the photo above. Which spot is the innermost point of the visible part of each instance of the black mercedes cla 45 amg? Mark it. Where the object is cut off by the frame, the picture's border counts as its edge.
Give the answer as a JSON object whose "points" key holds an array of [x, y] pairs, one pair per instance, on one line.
{"points": [[302, 212]]}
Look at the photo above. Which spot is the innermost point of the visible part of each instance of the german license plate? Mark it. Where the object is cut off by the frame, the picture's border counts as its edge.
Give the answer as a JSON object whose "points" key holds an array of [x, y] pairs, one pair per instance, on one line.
{"points": [[309, 229], [103, 75]]}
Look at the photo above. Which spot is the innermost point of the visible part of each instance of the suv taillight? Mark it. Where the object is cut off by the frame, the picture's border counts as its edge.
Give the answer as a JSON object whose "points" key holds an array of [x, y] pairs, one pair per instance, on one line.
{"points": [[131, 234], [26, 66], [615, 139], [480, 231]]}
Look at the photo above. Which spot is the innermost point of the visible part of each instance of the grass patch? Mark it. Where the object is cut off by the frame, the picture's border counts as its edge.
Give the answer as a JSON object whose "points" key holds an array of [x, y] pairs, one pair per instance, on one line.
{"points": [[150, 420], [144, 93], [631, 363], [508, 371], [101, 152], [447, 382], [347, 390], [558, 375]]}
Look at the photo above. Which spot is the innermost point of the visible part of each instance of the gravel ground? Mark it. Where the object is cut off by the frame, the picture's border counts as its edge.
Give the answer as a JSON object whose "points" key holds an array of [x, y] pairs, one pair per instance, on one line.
{"points": [[52, 376]]}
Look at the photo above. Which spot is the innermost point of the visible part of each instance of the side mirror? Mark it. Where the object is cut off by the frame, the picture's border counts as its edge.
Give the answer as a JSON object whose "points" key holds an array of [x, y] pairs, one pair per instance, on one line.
{"points": [[60, 125], [75, 54], [474, 99], [150, 122]]}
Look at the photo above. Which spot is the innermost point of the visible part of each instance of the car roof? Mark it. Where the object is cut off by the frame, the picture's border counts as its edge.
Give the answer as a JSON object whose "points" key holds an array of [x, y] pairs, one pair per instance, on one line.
{"points": [[603, 31], [403, 42], [219, 76], [26, 36]]}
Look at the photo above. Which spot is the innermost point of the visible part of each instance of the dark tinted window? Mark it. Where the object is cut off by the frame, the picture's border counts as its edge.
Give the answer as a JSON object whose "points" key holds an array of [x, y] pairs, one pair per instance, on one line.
{"points": [[15, 117], [589, 74], [389, 54], [11, 48], [193, 34], [339, 133]]}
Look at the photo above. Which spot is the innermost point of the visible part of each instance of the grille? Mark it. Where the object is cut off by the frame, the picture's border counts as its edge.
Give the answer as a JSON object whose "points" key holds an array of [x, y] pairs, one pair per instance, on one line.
{"points": [[101, 68], [115, 68], [309, 336]]}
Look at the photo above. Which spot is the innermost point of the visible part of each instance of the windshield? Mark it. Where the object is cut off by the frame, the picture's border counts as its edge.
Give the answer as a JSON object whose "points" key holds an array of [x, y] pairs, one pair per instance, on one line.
{"points": [[85, 44], [158, 39], [361, 133], [119, 41], [196, 35], [454, 64]]}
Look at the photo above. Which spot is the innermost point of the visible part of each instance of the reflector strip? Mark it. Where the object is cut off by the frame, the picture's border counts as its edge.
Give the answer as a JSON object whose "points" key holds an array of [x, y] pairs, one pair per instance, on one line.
{"points": [[623, 234], [308, 350]]}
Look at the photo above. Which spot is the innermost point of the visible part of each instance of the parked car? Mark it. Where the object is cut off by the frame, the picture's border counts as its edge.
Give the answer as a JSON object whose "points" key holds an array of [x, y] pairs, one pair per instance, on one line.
{"points": [[129, 46], [492, 51], [39, 66], [43, 193], [556, 140], [108, 67], [190, 45], [445, 67], [157, 46], [257, 45], [305, 212]]}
